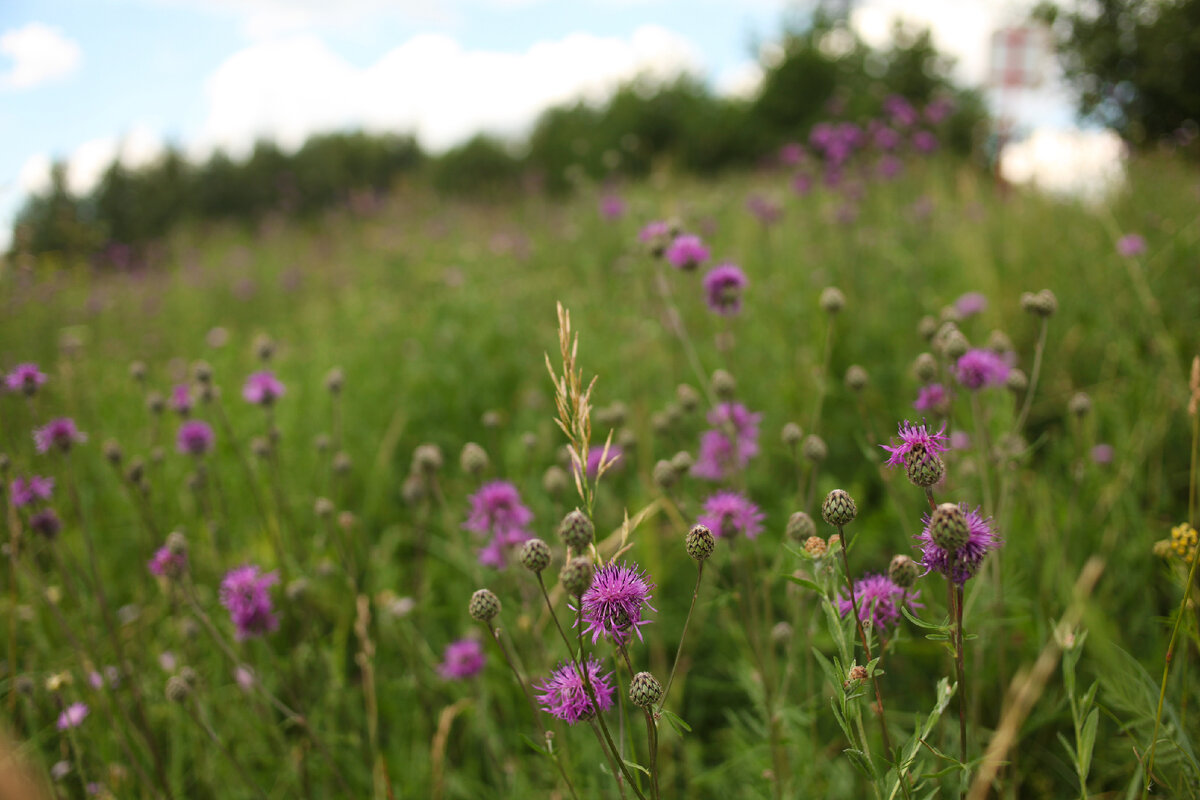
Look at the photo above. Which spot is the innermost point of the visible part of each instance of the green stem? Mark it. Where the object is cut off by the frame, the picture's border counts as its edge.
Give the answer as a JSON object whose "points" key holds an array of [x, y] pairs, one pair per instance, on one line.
{"points": [[683, 635]]}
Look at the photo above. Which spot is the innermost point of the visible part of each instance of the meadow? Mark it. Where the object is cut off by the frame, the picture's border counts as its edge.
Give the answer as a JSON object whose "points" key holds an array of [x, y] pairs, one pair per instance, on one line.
{"points": [[403, 329]]}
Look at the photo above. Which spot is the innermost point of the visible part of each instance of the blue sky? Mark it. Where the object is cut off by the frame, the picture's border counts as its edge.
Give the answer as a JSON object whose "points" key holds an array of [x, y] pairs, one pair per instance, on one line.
{"points": [[81, 80]]}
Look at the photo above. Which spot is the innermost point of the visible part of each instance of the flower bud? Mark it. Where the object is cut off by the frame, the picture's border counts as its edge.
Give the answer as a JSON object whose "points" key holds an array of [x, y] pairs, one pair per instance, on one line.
{"points": [[1080, 405], [687, 397], [202, 372], [664, 475], [903, 571], [838, 508], [832, 300], [474, 459], [724, 385], [998, 342], [1016, 381], [155, 403], [923, 469], [576, 531], [699, 543], [576, 576], [1042, 304], [535, 555], [791, 434], [554, 481], [644, 690], [856, 378], [955, 345], [491, 419], [323, 507], [927, 327], [342, 463], [264, 348], [682, 462], [335, 379], [178, 689], [857, 674], [948, 527], [815, 546], [814, 448], [800, 527], [427, 459], [925, 368], [484, 605], [112, 452], [137, 371]]}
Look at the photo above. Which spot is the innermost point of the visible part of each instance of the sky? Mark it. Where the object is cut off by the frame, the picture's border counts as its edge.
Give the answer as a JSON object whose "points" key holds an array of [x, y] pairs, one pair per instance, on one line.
{"points": [[84, 81]]}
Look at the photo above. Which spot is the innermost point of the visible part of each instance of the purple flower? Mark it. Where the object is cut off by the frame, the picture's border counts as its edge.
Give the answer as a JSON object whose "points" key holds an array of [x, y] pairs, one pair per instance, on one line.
{"points": [[963, 564], [565, 697], [181, 399], [687, 252], [879, 600], [72, 716], [463, 659], [727, 514], [1103, 454], [612, 207], [45, 523], [899, 110], [23, 491], [194, 438], [245, 593], [918, 441], [168, 563], [890, 167], [938, 110], [24, 378], [934, 397], [496, 511], [60, 433], [791, 154], [262, 388], [886, 139], [724, 284], [764, 209], [970, 304], [614, 459], [924, 142], [802, 183], [718, 454], [960, 440], [654, 231], [979, 368], [1129, 245], [612, 605]]}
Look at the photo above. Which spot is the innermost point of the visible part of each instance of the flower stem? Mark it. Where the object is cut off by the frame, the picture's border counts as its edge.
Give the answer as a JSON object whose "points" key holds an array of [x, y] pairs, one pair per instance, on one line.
{"points": [[1033, 378], [679, 651]]}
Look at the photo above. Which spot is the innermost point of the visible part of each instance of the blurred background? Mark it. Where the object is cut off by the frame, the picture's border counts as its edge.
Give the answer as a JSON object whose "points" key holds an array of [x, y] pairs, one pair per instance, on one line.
{"points": [[120, 118]]}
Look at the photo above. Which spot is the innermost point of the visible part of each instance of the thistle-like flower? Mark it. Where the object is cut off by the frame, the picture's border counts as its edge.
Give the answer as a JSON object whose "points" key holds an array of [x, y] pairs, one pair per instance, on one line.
{"points": [[462, 659], [564, 695], [728, 514], [25, 378], [612, 605], [61, 434], [962, 563], [497, 511], [245, 592], [879, 600]]}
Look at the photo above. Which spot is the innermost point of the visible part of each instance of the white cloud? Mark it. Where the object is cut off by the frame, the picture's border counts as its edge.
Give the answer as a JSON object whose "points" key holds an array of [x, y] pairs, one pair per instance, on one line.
{"points": [[1067, 161], [39, 54], [741, 80], [429, 85], [34, 177]]}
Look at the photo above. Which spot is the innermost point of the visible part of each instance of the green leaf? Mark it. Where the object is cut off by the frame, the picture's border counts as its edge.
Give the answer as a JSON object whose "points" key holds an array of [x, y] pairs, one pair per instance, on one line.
{"points": [[920, 623], [539, 748], [638, 767], [805, 582], [860, 760], [676, 722], [1086, 742]]}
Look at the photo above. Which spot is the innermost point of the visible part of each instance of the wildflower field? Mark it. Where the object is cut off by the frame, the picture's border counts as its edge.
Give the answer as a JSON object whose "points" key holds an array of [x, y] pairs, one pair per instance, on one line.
{"points": [[337, 510]]}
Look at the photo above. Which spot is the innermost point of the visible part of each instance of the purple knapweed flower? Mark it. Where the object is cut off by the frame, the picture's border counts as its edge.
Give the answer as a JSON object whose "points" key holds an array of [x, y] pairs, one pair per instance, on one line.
{"points": [[24, 378], [45, 522], [962, 565], [764, 209], [497, 511], [727, 514], [979, 368], [723, 286], [1130, 245], [791, 154], [970, 304], [195, 438], [168, 562], [612, 605], [916, 440], [654, 231], [937, 110], [899, 110], [879, 600], [463, 659], [934, 397], [181, 399], [565, 697], [612, 207], [246, 594], [687, 252], [718, 452], [58, 433], [924, 142], [1103, 454], [72, 716], [23, 491], [262, 388]]}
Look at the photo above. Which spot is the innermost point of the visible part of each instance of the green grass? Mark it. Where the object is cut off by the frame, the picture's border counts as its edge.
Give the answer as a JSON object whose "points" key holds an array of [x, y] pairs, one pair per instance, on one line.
{"points": [[439, 312]]}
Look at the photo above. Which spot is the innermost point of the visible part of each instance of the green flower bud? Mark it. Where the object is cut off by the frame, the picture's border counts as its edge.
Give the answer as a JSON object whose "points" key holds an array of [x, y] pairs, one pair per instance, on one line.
{"points": [[948, 527], [644, 690], [576, 531], [576, 576], [838, 508], [535, 555], [800, 526], [700, 543]]}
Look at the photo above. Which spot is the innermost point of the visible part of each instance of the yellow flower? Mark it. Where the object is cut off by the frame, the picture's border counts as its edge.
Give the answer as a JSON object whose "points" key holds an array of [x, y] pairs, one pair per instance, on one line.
{"points": [[1183, 541]]}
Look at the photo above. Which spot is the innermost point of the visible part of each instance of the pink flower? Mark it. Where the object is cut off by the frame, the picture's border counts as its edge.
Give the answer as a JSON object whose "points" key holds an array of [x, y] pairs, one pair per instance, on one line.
{"points": [[23, 491], [462, 659], [727, 514], [262, 388], [687, 252], [58, 433]]}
